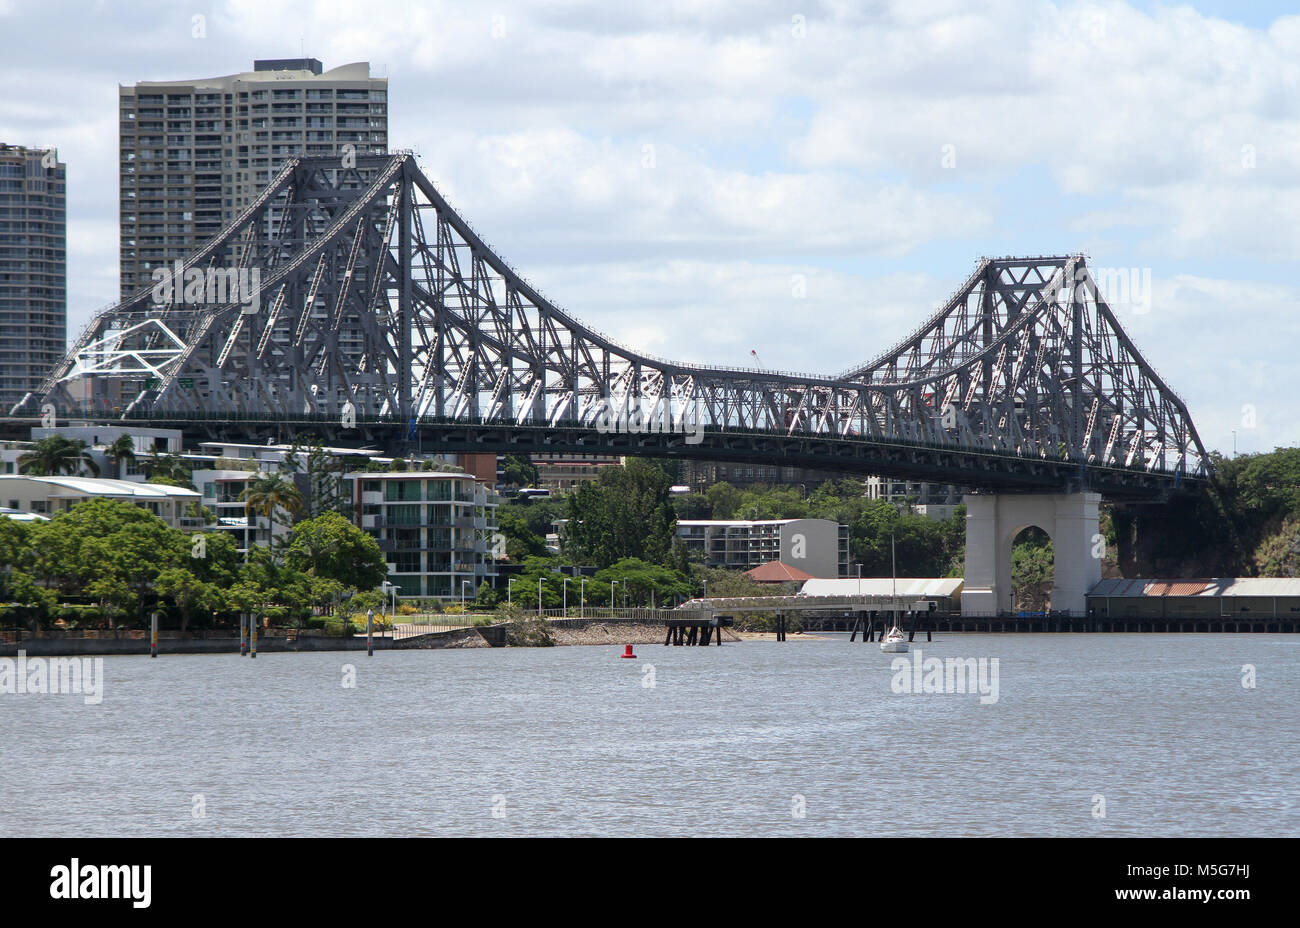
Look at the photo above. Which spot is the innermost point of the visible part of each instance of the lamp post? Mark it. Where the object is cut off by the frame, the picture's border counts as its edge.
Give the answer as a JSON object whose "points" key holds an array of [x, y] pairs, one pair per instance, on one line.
{"points": [[539, 597], [582, 596], [509, 584], [463, 584], [565, 609], [611, 596]]}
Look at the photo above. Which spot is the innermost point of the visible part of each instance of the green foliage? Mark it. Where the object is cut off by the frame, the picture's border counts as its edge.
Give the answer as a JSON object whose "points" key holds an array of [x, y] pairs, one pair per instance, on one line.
{"points": [[518, 470], [529, 631], [168, 469], [55, 455], [330, 546], [624, 514], [323, 474], [272, 494], [522, 542], [638, 580], [1032, 570]]}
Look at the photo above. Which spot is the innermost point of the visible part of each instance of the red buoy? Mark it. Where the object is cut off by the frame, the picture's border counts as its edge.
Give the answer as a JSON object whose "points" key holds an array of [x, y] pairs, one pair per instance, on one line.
{"points": [[627, 652]]}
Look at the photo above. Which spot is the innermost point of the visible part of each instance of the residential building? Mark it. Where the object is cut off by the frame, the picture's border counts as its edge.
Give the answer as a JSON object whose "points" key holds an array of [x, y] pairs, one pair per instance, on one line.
{"points": [[933, 500], [33, 269], [563, 473], [195, 153], [49, 496], [819, 547], [436, 529]]}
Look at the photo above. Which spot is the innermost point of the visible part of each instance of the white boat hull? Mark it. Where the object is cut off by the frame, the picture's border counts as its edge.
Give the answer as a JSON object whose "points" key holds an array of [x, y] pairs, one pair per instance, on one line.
{"points": [[893, 641]]}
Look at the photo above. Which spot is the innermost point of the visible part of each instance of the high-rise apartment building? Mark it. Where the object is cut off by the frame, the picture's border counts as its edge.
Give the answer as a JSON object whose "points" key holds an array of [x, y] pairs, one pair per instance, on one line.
{"points": [[33, 268], [194, 153]]}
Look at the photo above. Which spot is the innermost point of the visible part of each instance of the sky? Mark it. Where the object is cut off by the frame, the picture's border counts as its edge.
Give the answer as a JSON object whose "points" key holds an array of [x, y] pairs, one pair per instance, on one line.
{"points": [[806, 181]]}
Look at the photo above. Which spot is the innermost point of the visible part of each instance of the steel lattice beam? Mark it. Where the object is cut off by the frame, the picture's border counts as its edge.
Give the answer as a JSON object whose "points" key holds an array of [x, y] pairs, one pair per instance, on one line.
{"points": [[377, 299]]}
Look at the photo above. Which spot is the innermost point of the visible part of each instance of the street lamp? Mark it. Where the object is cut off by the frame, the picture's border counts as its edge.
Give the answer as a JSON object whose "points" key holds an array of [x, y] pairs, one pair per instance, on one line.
{"points": [[463, 584], [565, 610], [582, 596], [539, 596], [510, 583]]}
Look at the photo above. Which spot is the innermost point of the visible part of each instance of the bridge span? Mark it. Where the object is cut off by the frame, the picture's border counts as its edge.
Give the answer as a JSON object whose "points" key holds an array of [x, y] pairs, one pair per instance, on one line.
{"points": [[352, 303]]}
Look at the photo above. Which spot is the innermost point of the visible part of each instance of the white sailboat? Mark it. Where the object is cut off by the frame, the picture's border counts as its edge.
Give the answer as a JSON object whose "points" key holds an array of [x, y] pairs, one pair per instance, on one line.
{"points": [[894, 641]]}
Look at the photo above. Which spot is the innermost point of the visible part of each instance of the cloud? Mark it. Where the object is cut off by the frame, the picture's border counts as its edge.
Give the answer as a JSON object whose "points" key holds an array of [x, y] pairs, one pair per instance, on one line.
{"points": [[667, 167]]}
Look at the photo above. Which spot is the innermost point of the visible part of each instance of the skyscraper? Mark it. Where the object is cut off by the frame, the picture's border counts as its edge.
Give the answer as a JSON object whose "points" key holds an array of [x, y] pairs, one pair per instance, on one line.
{"points": [[194, 153], [33, 268]]}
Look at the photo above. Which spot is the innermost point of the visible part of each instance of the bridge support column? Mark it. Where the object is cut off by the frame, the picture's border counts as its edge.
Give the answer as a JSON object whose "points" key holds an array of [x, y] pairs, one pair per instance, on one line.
{"points": [[992, 523]]}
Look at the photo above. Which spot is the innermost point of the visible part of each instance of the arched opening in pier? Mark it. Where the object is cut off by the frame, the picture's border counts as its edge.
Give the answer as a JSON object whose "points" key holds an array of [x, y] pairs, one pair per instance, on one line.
{"points": [[1033, 570]]}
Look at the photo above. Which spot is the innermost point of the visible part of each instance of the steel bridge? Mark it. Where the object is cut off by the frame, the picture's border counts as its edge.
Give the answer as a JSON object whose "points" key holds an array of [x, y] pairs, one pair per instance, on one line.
{"points": [[371, 312]]}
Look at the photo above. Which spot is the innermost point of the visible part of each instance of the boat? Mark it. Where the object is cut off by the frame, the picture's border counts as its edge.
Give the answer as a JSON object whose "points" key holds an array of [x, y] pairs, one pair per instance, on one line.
{"points": [[894, 641]]}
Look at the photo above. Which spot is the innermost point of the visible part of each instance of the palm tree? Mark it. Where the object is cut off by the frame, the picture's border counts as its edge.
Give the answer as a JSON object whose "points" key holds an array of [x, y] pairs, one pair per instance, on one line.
{"points": [[122, 449], [267, 494], [57, 455], [168, 468]]}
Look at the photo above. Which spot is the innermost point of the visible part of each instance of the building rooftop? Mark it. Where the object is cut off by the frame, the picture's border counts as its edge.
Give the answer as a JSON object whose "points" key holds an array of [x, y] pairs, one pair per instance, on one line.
{"points": [[1217, 586], [102, 486], [884, 586], [778, 572], [355, 71], [19, 516]]}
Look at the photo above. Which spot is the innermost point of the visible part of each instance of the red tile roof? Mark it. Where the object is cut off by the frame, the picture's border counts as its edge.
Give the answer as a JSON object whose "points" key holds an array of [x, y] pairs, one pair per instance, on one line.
{"points": [[778, 572]]}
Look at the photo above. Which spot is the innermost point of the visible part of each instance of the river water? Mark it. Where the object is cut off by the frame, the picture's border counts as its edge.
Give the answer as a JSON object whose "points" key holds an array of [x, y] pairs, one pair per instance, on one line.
{"points": [[1091, 735]]}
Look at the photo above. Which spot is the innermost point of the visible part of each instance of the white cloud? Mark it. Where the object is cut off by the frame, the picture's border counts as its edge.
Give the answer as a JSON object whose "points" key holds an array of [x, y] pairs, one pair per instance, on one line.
{"points": [[1160, 136]]}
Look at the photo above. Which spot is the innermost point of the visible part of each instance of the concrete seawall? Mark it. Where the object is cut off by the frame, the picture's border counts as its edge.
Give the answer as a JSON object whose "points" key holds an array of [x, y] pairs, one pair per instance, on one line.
{"points": [[91, 647]]}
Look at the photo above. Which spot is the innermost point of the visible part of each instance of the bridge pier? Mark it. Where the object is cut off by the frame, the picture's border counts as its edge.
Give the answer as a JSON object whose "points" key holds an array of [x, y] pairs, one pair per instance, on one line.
{"points": [[992, 523]]}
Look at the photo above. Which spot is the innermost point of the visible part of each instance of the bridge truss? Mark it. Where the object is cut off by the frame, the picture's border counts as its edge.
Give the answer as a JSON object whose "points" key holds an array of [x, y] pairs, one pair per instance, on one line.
{"points": [[374, 306]]}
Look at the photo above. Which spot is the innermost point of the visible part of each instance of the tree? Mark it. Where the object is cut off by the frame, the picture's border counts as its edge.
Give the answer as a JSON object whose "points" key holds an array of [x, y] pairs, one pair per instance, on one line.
{"points": [[121, 449], [521, 541], [1031, 570], [331, 546], [56, 455], [639, 580], [323, 472], [518, 470], [269, 494], [168, 469], [192, 596], [626, 513]]}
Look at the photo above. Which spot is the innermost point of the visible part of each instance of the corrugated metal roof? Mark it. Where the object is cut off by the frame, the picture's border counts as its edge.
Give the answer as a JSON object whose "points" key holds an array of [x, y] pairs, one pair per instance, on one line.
{"points": [[1175, 588], [875, 586], [102, 486], [1218, 586]]}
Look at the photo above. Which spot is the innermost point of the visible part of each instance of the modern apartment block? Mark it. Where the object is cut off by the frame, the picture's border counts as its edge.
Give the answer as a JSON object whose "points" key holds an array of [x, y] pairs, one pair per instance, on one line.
{"points": [[818, 546], [194, 153], [33, 268], [435, 529], [933, 500]]}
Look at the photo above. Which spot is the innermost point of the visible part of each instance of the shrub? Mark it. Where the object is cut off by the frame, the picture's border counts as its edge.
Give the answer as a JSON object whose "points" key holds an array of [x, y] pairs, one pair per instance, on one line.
{"points": [[529, 632]]}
